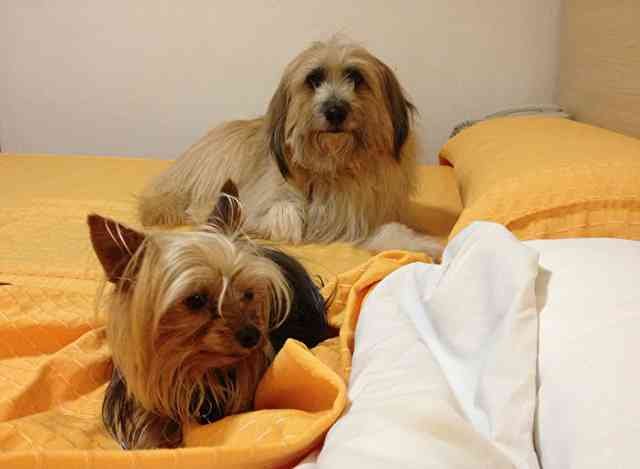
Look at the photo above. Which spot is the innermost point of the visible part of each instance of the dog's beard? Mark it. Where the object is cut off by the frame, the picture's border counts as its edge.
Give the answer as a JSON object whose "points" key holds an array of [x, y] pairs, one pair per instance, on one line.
{"points": [[204, 398], [363, 143], [336, 144], [320, 151], [178, 390]]}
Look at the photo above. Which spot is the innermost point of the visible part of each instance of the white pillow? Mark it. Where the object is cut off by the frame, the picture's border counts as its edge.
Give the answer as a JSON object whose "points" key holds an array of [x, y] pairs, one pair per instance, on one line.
{"points": [[589, 383]]}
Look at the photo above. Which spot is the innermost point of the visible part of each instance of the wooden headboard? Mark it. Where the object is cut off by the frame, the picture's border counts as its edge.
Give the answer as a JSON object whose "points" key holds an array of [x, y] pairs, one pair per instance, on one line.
{"points": [[600, 63]]}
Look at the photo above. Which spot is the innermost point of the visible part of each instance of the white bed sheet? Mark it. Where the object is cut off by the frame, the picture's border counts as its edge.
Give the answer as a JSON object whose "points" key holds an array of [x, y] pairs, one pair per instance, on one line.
{"points": [[589, 396], [446, 360]]}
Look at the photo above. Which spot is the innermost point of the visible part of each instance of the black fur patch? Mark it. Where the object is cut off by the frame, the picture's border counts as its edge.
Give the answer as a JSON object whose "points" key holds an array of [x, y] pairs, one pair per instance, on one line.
{"points": [[307, 320], [129, 424], [399, 107], [276, 122]]}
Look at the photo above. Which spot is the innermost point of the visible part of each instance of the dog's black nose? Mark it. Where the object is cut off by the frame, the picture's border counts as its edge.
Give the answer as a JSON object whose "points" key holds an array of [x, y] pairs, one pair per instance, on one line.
{"points": [[336, 113], [248, 336]]}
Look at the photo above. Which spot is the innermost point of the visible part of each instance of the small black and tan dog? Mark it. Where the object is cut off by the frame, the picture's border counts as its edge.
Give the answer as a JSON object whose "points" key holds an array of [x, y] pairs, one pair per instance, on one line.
{"points": [[194, 318]]}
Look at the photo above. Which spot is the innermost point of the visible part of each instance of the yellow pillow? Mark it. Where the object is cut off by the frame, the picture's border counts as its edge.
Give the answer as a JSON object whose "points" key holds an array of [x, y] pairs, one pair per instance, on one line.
{"points": [[547, 178], [436, 205]]}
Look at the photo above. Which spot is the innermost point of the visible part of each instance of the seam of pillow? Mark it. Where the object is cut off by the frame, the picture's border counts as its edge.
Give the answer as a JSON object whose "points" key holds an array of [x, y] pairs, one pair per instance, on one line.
{"points": [[626, 206], [542, 173], [630, 218], [511, 204], [631, 172]]}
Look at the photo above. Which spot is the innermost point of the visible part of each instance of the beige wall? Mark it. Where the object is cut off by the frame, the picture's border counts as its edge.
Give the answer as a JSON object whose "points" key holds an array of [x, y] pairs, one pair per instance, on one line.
{"points": [[147, 77], [600, 66]]}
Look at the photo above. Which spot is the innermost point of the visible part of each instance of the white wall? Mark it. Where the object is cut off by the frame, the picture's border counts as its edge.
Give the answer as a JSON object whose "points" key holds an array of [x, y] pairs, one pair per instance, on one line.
{"points": [[148, 77]]}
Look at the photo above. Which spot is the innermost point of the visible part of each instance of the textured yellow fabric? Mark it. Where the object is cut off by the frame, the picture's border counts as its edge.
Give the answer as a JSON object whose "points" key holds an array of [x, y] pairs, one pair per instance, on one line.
{"points": [[436, 205], [547, 178], [54, 361]]}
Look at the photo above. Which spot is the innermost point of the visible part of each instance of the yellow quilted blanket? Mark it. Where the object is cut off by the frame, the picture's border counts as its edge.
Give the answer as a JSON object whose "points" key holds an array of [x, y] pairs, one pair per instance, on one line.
{"points": [[54, 361]]}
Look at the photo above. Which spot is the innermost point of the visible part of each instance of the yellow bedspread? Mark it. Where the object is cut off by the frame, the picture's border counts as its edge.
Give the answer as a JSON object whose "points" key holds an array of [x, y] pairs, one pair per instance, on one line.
{"points": [[54, 361]]}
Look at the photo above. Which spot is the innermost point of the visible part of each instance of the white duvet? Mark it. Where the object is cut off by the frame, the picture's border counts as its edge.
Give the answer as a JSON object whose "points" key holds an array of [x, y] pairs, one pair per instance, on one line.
{"points": [[445, 369]]}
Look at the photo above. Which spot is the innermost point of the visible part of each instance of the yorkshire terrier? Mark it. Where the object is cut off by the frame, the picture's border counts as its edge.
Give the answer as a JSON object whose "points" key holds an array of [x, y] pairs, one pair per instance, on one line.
{"points": [[333, 159], [194, 318]]}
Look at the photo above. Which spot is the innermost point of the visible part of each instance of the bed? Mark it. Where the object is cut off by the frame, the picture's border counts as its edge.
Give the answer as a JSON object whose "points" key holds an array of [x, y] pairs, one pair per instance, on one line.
{"points": [[516, 351], [419, 374], [54, 363]]}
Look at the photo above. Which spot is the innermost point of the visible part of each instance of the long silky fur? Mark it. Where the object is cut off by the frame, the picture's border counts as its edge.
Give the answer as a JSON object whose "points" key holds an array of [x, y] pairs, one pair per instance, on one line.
{"points": [[150, 411]]}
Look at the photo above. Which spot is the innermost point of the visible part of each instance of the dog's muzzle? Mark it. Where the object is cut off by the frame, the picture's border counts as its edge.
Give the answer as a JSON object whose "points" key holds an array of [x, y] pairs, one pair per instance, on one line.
{"points": [[248, 336], [335, 112]]}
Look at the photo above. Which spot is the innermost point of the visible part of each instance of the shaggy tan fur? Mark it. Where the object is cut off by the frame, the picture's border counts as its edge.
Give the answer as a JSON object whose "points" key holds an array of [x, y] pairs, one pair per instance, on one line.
{"points": [[301, 178]]}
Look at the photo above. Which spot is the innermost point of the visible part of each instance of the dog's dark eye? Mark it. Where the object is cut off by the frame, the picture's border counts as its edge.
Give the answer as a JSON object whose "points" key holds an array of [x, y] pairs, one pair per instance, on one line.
{"points": [[354, 76], [196, 302], [315, 78], [248, 295]]}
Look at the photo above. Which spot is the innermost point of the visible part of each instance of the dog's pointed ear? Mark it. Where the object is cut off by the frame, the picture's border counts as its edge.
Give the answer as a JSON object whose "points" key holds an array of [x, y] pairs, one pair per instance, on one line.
{"points": [[276, 119], [227, 214], [400, 109], [114, 244]]}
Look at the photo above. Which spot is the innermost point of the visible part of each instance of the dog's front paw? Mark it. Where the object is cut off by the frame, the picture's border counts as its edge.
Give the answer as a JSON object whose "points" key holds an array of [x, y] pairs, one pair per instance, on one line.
{"points": [[284, 221]]}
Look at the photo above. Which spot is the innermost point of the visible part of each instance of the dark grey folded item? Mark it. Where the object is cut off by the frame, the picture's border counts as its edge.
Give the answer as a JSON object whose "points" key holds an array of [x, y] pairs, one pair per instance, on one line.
{"points": [[550, 111]]}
